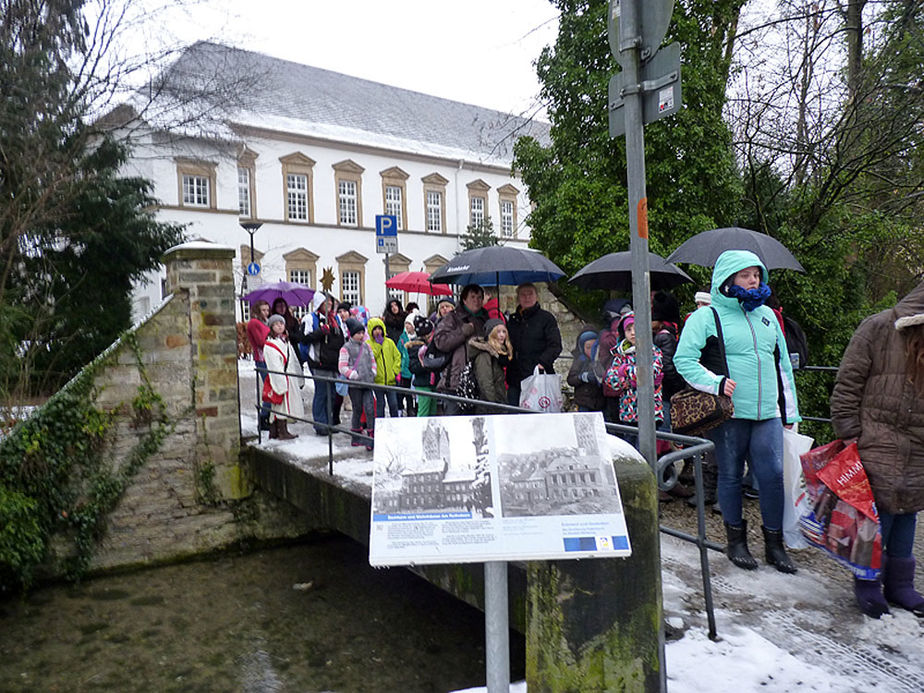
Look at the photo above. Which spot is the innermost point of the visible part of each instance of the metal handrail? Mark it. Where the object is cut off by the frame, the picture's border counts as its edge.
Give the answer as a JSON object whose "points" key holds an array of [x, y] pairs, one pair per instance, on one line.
{"points": [[665, 468]]}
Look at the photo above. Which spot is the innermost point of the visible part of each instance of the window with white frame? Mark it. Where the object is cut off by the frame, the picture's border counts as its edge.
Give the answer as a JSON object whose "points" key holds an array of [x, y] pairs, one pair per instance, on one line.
{"points": [[346, 193], [476, 218], [506, 220], [349, 285], [297, 196], [195, 190], [243, 191], [434, 211], [300, 276], [394, 202]]}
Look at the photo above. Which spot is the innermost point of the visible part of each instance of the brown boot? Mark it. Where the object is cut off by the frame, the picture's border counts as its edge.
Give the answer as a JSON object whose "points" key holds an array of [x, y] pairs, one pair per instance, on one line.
{"points": [[283, 430], [274, 429]]}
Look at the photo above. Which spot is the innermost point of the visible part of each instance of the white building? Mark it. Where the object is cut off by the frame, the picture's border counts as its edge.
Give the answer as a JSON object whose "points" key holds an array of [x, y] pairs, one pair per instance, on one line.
{"points": [[314, 156]]}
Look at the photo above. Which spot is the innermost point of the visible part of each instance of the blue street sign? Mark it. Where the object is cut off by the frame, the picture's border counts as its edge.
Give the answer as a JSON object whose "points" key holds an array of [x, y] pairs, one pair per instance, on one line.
{"points": [[386, 225], [253, 269]]}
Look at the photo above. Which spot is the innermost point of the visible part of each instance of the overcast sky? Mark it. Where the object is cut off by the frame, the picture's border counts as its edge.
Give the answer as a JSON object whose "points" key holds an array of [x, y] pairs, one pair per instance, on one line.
{"points": [[477, 51]]}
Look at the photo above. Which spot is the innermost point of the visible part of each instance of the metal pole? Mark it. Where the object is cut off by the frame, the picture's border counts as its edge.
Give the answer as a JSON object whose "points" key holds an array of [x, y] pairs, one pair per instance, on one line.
{"points": [[496, 627], [638, 227]]}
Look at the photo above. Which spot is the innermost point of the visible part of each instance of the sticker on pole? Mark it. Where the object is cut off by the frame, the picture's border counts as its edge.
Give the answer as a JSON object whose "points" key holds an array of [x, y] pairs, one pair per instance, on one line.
{"points": [[470, 489]]}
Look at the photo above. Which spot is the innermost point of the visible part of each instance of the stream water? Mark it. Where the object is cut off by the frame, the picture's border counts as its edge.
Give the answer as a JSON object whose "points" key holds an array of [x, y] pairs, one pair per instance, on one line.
{"points": [[311, 617]]}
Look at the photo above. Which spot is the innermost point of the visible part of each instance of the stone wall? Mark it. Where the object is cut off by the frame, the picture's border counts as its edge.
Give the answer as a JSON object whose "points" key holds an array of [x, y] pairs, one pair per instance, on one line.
{"points": [[190, 496]]}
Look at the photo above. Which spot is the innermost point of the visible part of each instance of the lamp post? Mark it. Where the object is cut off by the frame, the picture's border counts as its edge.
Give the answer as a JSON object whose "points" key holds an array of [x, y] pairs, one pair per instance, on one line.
{"points": [[250, 227]]}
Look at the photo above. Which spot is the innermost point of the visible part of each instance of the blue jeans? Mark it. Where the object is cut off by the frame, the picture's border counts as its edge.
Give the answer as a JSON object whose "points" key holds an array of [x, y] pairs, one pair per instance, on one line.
{"points": [[380, 398], [898, 533], [323, 392], [762, 442]]}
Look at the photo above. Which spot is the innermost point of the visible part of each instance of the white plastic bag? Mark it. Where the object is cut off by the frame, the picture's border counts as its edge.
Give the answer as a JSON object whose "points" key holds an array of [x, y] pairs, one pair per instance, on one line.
{"points": [[541, 391], [795, 499]]}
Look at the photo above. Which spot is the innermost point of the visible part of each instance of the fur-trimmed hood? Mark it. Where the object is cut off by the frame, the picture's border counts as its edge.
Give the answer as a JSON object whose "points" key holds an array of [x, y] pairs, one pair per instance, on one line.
{"points": [[481, 344], [910, 310]]}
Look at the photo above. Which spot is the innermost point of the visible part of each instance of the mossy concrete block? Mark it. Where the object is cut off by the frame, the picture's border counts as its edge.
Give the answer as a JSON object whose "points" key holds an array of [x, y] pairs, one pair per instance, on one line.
{"points": [[595, 625]]}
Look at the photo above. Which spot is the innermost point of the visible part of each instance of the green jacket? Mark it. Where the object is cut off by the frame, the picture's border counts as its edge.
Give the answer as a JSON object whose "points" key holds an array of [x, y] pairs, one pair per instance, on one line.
{"points": [[755, 349]]}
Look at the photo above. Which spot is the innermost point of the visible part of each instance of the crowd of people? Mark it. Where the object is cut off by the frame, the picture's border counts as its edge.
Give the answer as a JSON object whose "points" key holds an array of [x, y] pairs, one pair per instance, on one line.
{"points": [[732, 343]]}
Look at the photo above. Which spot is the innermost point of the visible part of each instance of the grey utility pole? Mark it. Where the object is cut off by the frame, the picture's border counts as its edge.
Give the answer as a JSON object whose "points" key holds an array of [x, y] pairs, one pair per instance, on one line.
{"points": [[647, 88]]}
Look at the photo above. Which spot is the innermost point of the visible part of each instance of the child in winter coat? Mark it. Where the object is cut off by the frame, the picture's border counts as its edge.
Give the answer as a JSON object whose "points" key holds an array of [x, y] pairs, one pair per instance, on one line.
{"points": [[586, 373], [388, 366], [284, 378], [621, 376], [492, 354], [424, 379], [406, 401], [357, 364]]}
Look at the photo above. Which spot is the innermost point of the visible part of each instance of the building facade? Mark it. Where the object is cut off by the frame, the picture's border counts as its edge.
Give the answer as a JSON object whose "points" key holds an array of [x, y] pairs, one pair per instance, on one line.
{"points": [[312, 157]]}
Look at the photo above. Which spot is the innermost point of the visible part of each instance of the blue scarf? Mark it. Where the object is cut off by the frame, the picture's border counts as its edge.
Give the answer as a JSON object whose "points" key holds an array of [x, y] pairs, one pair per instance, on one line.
{"points": [[750, 298]]}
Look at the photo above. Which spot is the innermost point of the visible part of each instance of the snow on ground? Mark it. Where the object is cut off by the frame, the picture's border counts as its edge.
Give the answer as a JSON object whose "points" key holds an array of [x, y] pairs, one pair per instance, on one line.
{"points": [[776, 633]]}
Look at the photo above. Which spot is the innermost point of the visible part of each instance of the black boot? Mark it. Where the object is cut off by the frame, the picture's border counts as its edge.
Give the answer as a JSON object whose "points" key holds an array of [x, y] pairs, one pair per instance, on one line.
{"points": [[274, 429], [869, 597], [774, 551], [737, 548]]}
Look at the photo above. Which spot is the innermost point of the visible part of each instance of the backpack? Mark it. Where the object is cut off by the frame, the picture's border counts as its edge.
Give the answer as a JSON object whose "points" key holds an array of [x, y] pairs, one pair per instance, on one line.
{"points": [[431, 358], [468, 387], [796, 344]]}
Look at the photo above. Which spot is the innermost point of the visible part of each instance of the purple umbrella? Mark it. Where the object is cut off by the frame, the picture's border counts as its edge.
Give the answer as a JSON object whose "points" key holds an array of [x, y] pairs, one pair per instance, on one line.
{"points": [[294, 294]]}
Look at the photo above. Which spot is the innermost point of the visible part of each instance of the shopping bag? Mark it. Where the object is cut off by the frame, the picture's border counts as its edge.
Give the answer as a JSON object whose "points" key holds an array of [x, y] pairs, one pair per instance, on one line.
{"points": [[795, 497], [541, 391], [843, 520]]}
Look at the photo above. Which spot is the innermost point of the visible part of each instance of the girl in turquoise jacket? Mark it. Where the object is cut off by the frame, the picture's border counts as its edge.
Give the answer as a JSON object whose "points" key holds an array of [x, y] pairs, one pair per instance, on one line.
{"points": [[388, 366], [760, 383]]}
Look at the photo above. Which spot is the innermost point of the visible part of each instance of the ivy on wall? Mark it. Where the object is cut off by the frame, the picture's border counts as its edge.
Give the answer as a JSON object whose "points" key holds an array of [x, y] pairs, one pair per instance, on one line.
{"points": [[55, 479]]}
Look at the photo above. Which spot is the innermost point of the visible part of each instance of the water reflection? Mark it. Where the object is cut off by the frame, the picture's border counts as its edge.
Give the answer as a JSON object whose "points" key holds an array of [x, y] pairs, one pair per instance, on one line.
{"points": [[312, 617]]}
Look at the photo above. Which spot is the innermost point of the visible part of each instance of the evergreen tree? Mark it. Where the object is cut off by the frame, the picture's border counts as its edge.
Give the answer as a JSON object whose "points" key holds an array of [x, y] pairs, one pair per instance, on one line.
{"points": [[73, 234], [479, 235], [578, 181]]}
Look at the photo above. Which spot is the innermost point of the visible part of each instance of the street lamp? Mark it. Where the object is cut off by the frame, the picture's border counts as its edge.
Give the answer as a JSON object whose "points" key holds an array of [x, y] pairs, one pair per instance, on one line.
{"points": [[250, 227]]}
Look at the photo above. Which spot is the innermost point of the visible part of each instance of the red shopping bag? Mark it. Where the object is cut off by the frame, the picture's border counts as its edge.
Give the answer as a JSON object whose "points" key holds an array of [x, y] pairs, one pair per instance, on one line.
{"points": [[843, 520]]}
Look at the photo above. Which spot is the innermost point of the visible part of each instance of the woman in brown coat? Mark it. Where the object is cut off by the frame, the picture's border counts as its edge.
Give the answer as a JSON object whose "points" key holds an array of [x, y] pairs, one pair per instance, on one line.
{"points": [[878, 400]]}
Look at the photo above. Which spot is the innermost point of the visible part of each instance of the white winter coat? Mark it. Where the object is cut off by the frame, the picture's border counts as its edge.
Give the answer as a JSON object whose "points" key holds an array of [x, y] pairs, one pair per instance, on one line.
{"points": [[280, 356]]}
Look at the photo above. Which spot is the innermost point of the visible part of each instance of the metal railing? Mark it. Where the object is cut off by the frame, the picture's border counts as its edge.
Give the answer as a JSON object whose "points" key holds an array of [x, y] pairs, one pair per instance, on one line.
{"points": [[665, 469]]}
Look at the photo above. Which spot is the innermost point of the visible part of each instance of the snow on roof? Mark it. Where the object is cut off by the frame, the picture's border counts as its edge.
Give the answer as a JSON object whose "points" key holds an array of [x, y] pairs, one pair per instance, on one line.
{"points": [[265, 92]]}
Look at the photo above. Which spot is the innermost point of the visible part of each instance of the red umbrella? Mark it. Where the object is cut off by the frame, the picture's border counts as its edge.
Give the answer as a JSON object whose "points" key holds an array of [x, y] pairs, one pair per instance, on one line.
{"points": [[417, 282]]}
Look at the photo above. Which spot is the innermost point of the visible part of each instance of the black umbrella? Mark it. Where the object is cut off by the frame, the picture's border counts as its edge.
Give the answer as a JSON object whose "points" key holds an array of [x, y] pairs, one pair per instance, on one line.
{"points": [[614, 271], [704, 248], [498, 264]]}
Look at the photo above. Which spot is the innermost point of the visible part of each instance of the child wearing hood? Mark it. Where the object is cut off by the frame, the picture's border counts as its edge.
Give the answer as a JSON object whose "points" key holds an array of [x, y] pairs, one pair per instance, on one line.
{"points": [[357, 364], [621, 376], [388, 366], [424, 379], [586, 374]]}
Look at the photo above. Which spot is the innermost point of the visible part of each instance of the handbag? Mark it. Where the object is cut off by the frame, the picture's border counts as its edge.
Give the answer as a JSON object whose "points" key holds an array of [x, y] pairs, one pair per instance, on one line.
{"points": [[694, 412], [269, 394]]}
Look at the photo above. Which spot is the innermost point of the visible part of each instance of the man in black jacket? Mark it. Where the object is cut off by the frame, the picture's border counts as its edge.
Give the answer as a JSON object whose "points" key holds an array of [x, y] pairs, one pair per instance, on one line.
{"points": [[323, 336], [535, 337]]}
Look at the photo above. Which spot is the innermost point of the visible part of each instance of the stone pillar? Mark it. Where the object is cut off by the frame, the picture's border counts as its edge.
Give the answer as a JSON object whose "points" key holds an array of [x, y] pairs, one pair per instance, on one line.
{"points": [[204, 271], [595, 624]]}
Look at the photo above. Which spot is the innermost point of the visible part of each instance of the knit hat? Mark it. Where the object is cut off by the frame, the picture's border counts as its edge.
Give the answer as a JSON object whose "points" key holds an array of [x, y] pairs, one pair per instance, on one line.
{"points": [[276, 317], [703, 297], [345, 305], [490, 325], [446, 299], [627, 319], [410, 317], [422, 325], [355, 326]]}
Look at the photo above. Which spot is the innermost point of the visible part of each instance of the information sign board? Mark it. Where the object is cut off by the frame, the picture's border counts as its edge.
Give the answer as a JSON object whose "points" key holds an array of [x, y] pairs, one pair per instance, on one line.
{"points": [[466, 489]]}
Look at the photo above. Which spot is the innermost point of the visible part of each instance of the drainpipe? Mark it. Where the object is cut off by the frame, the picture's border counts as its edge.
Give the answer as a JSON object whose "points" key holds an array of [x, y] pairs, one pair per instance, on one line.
{"points": [[458, 232]]}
